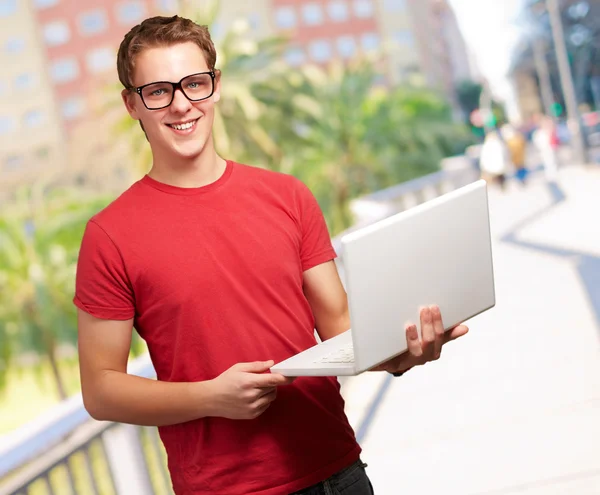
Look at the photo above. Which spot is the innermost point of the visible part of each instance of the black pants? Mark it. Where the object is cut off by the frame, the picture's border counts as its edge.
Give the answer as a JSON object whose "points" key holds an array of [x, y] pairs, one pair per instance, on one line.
{"points": [[352, 480]]}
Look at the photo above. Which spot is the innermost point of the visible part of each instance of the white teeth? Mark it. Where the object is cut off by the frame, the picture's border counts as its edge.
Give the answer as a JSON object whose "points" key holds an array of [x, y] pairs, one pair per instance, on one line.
{"points": [[183, 127]]}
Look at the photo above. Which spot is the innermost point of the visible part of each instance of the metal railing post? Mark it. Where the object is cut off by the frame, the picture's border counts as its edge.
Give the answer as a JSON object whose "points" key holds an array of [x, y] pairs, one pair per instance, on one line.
{"points": [[126, 460]]}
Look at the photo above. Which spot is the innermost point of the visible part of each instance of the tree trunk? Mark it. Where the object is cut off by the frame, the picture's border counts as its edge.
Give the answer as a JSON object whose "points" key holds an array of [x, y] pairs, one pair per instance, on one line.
{"points": [[50, 345], [58, 380]]}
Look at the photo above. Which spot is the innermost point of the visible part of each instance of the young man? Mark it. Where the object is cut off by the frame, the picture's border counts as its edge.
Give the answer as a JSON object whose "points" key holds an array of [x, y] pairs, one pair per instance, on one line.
{"points": [[223, 269]]}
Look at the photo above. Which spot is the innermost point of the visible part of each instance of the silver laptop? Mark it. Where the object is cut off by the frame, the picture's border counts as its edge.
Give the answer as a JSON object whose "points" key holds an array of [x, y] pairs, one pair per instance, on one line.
{"points": [[436, 253]]}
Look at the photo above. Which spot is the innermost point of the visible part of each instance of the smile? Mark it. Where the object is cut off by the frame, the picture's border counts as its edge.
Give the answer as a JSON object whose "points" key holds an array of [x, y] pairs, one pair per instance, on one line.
{"points": [[183, 127]]}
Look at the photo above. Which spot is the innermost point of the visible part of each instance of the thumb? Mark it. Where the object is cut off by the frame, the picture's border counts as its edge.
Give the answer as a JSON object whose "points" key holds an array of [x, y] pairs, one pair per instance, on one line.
{"points": [[456, 332], [254, 367]]}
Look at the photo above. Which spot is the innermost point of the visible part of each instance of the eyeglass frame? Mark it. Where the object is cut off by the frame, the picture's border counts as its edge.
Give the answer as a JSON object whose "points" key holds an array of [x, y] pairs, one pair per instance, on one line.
{"points": [[176, 86]]}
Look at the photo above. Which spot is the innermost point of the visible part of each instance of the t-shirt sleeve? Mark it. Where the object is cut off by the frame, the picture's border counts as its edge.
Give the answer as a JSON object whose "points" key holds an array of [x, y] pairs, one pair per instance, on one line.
{"points": [[102, 287], [316, 245]]}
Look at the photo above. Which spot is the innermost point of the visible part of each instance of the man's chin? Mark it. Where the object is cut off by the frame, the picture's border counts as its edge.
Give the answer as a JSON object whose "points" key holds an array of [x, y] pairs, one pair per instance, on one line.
{"points": [[188, 153]]}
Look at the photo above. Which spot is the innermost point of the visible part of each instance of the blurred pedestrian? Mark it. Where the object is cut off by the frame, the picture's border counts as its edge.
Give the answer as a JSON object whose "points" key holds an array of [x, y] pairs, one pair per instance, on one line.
{"points": [[545, 138], [517, 146], [494, 161]]}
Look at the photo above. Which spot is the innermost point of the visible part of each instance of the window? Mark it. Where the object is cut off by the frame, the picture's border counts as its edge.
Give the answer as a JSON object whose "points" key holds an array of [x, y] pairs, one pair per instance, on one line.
{"points": [[285, 17], [404, 38], [217, 30], [93, 22], [100, 59], [26, 80], [254, 21], [394, 5], [295, 56], [64, 70], [370, 41], [72, 107], [7, 124], [13, 162], [56, 33], [312, 14], [320, 50], [363, 8], [42, 153], [15, 45], [346, 46], [44, 4], [338, 10], [166, 6], [34, 118], [7, 7], [131, 12]]}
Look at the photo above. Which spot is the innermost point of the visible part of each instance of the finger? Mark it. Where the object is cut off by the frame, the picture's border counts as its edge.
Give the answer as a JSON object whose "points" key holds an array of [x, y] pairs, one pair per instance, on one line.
{"points": [[267, 393], [254, 367], [265, 400], [257, 409], [271, 380], [427, 332], [412, 341], [438, 329], [456, 332]]}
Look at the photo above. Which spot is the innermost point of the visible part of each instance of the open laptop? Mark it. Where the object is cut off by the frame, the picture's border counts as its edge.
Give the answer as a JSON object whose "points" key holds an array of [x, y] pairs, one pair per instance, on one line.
{"points": [[438, 252]]}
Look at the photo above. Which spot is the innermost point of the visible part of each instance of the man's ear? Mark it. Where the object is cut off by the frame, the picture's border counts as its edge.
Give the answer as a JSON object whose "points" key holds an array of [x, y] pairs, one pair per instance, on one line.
{"points": [[217, 93], [129, 101]]}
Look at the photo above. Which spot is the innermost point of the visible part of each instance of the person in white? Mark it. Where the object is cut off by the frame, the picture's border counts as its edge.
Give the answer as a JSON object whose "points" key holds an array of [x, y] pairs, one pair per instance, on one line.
{"points": [[544, 140], [494, 159]]}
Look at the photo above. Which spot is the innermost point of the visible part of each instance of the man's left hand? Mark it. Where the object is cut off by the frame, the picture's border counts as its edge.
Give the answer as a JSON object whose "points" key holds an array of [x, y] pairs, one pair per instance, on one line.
{"points": [[426, 349]]}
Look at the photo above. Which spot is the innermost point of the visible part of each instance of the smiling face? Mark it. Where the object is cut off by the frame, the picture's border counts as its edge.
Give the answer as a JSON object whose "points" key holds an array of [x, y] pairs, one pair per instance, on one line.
{"points": [[183, 130]]}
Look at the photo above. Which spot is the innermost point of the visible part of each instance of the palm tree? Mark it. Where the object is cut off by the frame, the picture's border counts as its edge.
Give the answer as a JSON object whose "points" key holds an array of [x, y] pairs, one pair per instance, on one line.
{"points": [[325, 136], [40, 237], [347, 136], [412, 131]]}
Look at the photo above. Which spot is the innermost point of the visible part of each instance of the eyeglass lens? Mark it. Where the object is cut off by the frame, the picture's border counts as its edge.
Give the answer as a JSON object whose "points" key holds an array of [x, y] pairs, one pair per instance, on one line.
{"points": [[160, 94]]}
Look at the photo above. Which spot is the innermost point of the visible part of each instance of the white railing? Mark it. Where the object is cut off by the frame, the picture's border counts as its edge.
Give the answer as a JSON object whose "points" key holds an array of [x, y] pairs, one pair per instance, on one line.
{"points": [[67, 452]]}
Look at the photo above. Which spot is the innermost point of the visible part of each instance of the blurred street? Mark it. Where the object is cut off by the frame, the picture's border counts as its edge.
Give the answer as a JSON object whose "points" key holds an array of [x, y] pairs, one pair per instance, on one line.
{"points": [[514, 407]]}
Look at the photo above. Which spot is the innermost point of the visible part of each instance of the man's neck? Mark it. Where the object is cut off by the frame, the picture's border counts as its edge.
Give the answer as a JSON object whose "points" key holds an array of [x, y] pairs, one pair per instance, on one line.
{"points": [[195, 172]]}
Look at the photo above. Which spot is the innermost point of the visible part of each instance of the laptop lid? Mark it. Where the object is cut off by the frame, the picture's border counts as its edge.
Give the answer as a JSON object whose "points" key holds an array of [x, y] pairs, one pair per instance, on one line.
{"points": [[436, 253]]}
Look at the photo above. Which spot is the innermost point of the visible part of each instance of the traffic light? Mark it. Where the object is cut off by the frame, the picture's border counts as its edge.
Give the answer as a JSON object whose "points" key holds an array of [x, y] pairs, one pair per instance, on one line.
{"points": [[556, 109]]}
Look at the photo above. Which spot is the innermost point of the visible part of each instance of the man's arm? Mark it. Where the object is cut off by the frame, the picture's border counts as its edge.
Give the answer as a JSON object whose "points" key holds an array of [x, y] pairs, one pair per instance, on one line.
{"points": [[327, 298], [110, 394]]}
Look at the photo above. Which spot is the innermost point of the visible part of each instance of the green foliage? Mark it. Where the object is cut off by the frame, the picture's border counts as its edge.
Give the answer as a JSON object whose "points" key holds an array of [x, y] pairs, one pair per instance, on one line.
{"points": [[346, 137], [40, 235]]}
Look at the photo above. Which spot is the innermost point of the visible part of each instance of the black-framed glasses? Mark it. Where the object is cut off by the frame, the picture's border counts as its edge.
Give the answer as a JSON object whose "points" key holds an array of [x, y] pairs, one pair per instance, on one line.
{"points": [[160, 94]]}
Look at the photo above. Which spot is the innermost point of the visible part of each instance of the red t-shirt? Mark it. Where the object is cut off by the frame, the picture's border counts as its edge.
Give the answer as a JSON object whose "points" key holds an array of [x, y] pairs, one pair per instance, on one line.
{"points": [[212, 277]]}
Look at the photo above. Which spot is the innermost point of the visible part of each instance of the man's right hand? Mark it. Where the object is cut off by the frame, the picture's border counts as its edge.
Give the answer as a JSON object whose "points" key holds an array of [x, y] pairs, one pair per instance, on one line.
{"points": [[245, 390]]}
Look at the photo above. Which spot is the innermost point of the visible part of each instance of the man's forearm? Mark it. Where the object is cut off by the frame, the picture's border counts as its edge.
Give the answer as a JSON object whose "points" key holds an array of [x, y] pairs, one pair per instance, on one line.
{"points": [[131, 399]]}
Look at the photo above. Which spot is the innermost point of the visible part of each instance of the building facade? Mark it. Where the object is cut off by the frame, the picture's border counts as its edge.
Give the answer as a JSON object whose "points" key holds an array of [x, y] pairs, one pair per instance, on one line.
{"points": [[31, 138], [60, 57]]}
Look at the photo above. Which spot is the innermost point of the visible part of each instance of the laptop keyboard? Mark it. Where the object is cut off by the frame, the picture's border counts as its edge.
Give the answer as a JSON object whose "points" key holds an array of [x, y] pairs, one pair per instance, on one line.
{"points": [[342, 355]]}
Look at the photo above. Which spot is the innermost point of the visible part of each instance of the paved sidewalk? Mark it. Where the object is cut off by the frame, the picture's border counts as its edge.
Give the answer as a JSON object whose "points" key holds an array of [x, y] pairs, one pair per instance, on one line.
{"points": [[514, 408]]}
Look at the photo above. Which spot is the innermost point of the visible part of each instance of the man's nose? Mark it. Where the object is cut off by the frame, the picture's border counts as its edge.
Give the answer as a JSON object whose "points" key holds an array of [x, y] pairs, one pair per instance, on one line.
{"points": [[180, 102]]}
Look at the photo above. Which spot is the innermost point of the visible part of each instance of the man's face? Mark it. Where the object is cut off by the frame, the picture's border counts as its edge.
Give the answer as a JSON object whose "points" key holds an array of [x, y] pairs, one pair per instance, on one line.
{"points": [[173, 63]]}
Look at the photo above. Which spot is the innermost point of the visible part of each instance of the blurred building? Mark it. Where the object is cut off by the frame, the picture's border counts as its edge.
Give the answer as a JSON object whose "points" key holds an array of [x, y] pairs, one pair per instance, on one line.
{"points": [[420, 40], [31, 137], [61, 57], [58, 57], [581, 23]]}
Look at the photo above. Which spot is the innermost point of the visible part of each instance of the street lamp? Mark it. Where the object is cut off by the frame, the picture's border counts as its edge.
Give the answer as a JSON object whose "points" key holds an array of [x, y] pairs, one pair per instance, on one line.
{"points": [[566, 80], [541, 67]]}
